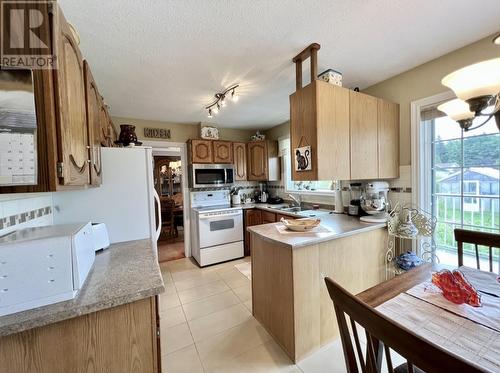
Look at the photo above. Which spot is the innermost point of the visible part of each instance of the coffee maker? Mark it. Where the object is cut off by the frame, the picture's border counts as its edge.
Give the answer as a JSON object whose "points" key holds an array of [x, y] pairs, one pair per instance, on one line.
{"points": [[374, 202]]}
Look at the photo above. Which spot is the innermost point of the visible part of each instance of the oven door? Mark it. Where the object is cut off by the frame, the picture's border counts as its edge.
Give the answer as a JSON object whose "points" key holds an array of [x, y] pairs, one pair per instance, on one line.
{"points": [[220, 229]]}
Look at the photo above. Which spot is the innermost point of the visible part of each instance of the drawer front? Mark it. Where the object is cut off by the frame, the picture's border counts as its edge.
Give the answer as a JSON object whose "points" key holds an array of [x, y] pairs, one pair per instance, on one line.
{"points": [[30, 271]]}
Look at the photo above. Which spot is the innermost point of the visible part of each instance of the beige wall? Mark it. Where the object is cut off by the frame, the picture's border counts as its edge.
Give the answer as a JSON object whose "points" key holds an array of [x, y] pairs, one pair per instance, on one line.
{"points": [[278, 131], [181, 132], [424, 81]]}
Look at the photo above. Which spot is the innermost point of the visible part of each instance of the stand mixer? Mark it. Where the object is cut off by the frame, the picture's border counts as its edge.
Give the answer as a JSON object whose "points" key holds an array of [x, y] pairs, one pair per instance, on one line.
{"points": [[374, 202]]}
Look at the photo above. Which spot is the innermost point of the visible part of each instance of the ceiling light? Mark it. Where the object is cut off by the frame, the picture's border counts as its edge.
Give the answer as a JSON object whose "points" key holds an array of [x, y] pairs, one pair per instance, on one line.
{"points": [[234, 96], [496, 40], [220, 100], [459, 111], [479, 86], [478, 83]]}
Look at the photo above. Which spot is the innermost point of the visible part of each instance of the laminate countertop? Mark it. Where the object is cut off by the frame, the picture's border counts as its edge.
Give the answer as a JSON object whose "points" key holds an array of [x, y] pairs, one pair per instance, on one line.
{"points": [[338, 226], [124, 273]]}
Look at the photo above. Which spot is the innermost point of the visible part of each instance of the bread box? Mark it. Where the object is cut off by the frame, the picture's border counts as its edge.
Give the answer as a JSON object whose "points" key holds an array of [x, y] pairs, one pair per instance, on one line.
{"points": [[45, 265]]}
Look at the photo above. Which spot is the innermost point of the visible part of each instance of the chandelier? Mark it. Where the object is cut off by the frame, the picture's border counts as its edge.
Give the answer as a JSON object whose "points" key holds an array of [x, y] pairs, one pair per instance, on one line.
{"points": [[477, 88], [220, 100]]}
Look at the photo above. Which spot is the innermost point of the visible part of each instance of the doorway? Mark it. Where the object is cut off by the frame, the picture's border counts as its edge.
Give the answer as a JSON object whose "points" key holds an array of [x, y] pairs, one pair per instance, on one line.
{"points": [[170, 183]]}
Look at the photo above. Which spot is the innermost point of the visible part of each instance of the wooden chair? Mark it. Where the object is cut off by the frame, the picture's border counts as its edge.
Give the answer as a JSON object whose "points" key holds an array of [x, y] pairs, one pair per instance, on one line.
{"points": [[167, 217], [382, 334], [491, 240]]}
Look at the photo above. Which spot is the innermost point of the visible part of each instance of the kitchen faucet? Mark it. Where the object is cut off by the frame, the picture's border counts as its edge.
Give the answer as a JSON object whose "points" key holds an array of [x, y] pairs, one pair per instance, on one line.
{"points": [[297, 200]]}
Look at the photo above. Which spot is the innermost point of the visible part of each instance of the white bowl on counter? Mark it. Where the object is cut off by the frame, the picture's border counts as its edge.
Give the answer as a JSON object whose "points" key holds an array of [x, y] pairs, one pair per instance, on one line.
{"points": [[300, 225]]}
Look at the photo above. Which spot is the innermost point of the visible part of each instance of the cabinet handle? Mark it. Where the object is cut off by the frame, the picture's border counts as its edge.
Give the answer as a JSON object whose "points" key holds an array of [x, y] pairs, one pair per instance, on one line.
{"points": [[97, 170], [81, 169]]}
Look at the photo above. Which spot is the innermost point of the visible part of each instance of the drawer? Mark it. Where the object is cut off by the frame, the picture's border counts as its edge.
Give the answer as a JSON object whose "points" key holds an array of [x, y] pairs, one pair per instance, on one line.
{"points": [[28, 255], [38, 284], [30, 271]]}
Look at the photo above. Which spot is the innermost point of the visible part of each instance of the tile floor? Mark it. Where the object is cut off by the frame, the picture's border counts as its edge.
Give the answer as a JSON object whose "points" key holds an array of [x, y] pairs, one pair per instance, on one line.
{"points": [[207, 325]]}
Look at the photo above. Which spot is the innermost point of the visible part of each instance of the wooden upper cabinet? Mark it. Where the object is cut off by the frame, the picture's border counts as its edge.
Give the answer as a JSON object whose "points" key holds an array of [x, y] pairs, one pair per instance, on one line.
{"points": [[364, 136], [93, 103], [333, 132], [240, 161], [319, 118], [223, 151], [73, 141], [388, 139], [257, 160], [201, 151]]}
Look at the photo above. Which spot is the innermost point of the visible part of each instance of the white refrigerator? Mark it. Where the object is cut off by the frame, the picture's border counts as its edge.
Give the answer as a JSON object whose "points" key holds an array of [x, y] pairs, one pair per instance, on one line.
{"points": [[125, 201]]}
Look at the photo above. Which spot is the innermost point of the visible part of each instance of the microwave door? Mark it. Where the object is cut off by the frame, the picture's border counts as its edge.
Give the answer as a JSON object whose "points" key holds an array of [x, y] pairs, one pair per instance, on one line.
{"points": [[209, 177], [229, 175]]}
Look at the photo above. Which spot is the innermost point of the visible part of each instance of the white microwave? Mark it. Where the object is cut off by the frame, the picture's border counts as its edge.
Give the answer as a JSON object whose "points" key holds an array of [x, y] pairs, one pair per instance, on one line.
{"points": [[210, 175]]}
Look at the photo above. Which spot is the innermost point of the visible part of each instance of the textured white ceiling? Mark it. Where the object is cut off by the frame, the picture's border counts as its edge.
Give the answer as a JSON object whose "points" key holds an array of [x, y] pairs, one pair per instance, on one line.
{"points": [[164, 59]]}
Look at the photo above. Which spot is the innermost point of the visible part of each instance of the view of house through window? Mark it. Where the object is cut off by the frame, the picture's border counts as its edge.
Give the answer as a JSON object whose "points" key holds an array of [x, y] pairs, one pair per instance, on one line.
{"points": [[463, 174]]}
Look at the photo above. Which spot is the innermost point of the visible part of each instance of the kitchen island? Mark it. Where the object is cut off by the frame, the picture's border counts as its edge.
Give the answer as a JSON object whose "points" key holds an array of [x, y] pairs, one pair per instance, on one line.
{"points": [[111, 326], [290, 298]]}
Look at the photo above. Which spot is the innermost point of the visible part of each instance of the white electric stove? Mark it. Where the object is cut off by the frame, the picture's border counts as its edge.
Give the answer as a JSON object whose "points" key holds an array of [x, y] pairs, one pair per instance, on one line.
{"points": [[216, 227]]}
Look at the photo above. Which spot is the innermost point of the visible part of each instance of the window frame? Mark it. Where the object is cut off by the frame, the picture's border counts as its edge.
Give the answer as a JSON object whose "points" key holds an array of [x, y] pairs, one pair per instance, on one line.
{"points": [[421, 160], [287, 173]]}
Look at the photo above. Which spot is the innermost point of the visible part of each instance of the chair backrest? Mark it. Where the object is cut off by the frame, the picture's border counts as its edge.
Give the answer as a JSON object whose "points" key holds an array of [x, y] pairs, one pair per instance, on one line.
{"points": [[491, 240], [382, 335], [167, 210]]}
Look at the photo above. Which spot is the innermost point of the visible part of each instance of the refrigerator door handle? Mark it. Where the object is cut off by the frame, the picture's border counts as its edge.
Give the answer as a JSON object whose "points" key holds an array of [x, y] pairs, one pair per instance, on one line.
{"points": [[158, 204]]}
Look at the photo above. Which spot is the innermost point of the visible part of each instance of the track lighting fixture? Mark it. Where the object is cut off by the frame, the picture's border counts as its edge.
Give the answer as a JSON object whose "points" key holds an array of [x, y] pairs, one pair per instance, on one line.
{"points": [[220, 100]]}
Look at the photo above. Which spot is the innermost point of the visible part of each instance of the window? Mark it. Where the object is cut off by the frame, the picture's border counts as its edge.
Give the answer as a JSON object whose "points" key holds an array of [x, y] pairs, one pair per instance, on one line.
{"points": [[310, 187], [461, 177]]}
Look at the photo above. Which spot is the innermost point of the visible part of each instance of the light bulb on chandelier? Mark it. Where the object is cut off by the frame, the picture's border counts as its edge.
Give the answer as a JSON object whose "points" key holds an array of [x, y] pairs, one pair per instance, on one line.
{"points": [[220, 100]]}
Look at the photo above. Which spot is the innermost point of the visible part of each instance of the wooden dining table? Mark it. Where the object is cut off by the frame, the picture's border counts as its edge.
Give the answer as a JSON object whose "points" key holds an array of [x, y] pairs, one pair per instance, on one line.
{"points": [[389, 293], [386, 290]]}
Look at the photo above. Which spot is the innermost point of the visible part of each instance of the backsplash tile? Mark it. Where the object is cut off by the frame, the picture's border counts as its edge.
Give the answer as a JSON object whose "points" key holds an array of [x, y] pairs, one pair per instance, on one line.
{"points": [[18, 211]]}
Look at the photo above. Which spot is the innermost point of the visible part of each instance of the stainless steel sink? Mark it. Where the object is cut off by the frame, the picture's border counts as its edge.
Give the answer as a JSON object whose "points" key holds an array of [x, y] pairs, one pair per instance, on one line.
{"points": [[292, 209]]}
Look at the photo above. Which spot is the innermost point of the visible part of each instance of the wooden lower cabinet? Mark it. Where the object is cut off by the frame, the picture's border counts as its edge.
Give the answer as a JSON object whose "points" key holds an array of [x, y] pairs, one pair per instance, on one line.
{"points": [[121, 339], [297, 310], [279, 216], [268, 217], [250, 217]]}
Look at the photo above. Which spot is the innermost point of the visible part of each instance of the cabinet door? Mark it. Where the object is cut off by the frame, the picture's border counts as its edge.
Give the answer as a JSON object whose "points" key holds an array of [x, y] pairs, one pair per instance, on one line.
{"points": [[70, 109], [93, 104], [364, 136], [201, 151], [333, 158], [251, 217], [257, 160], [240, 161], [388, 139], [268, 217], [223, 151]]}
